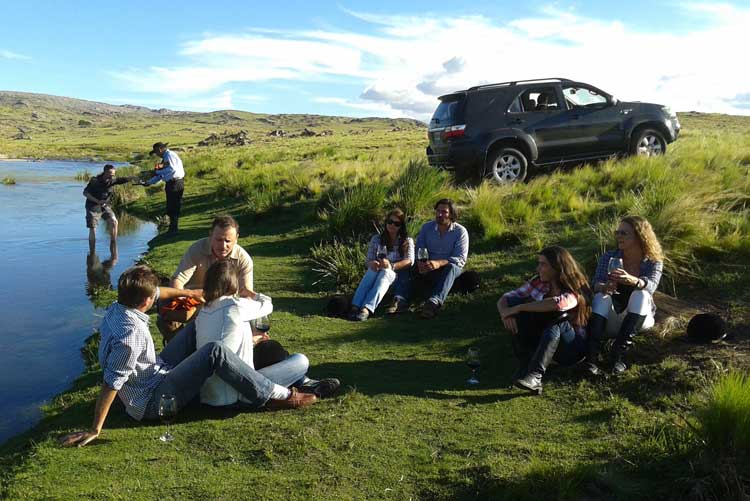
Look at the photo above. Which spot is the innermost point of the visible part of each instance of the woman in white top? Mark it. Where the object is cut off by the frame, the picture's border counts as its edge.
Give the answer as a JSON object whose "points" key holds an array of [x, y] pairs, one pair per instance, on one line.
{"points": [[226, 317], [390, 252]]}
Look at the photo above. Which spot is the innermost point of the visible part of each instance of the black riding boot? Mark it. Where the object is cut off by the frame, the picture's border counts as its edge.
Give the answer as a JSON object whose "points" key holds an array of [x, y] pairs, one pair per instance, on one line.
{"points": [[538, 365], [631, 324], [597, 326]]}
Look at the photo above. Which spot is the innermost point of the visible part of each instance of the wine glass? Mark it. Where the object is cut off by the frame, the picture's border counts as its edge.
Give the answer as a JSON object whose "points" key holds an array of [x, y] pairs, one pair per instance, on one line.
{"points": [[262, 324], [615, 263], [474, 363], [422, 255], [167, 413], [382, 251]]}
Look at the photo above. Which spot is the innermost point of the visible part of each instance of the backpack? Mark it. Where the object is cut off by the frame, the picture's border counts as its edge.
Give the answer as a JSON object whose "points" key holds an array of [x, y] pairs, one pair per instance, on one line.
{"points": [[466, 283], [339, 306]]}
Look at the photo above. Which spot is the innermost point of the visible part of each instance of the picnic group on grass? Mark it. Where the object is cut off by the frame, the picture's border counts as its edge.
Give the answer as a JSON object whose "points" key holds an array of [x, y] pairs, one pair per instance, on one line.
{"points": [[217, 349]]}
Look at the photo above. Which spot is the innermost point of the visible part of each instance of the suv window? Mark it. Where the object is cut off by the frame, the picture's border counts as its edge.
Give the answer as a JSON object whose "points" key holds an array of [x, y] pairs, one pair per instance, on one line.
{"points": [[538, 99], [579, 97], [449, 112]]}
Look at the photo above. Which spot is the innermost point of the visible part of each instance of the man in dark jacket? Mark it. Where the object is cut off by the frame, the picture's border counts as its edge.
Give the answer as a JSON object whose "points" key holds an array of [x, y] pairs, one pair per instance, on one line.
{"points": [[98, 193]]}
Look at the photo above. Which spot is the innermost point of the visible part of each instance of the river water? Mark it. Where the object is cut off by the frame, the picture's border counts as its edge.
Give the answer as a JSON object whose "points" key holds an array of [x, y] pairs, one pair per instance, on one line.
{"points": [[46, 274]]}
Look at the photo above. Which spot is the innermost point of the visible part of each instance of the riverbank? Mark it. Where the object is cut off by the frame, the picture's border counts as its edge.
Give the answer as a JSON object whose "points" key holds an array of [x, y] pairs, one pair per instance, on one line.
{"points": [[406, 425]]}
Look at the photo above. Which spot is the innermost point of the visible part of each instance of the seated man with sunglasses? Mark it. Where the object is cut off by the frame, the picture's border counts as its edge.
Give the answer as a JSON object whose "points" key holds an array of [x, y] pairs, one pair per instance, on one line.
{"points": [[390, 254], [442, 250]]}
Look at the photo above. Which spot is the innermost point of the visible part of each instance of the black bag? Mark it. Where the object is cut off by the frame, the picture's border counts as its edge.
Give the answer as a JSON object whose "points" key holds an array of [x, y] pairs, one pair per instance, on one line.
{"points": [[466, 283], [339, 306], [267, 353], [706, 328]]}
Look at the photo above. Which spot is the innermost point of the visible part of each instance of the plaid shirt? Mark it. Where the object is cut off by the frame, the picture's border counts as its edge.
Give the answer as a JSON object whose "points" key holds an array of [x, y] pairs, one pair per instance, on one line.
{"points": [[650, 271], [538, 290], [128, 358]]}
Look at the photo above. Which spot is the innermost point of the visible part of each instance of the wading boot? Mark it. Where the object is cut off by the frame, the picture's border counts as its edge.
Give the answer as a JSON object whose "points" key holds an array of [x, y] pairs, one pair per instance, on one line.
{"points": [[596, 327], [532, 381], [631, 324]]}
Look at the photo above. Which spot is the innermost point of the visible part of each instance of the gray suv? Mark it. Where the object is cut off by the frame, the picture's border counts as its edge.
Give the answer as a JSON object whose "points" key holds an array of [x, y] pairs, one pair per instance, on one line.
{"points": [[499, 130]]}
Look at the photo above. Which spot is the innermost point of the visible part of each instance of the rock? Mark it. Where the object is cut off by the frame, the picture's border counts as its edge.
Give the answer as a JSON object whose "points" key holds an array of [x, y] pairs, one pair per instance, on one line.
{"points": [[307, 133], [34, 115], [240, 138], [278, 133]]}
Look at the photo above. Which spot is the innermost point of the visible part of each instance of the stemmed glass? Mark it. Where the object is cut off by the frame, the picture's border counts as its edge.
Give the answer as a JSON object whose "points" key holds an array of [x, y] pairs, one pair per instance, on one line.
{"points": [[262, 324], [422, 255], [382, 251], [615, 263], [167, 413], [474, 363]]}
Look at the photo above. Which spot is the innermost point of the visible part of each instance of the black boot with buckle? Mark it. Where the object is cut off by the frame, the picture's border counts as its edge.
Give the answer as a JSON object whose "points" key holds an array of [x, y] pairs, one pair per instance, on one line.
{"points": [[630, 327], [597, 326]]}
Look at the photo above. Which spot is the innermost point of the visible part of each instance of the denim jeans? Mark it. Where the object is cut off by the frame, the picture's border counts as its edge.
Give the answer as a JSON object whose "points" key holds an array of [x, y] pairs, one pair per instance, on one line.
{"points": [[289, 372], [440, 280], [572, 347], [373, 287], [191, 368]]}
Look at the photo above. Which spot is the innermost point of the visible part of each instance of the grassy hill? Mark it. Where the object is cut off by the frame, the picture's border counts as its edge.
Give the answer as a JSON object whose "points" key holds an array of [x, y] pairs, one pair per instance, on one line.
{"points": [[42, 126], [406, 426]]}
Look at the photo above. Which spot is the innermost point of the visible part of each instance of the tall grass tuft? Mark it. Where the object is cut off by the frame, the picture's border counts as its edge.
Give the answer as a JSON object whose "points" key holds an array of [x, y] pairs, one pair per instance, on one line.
{"points": [[419, 187], [484, 217], [724, 422], [339, 263], [355, 211], [82, 175], [8, 180]]}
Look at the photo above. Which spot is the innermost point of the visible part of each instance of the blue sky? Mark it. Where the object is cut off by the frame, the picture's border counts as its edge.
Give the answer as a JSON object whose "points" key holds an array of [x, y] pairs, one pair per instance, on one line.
{"points": [[382, 58]]}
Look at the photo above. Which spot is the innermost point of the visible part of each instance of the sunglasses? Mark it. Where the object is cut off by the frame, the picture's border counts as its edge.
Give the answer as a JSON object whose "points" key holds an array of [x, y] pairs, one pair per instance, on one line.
{"points": [[621, 233], [394, 222]]}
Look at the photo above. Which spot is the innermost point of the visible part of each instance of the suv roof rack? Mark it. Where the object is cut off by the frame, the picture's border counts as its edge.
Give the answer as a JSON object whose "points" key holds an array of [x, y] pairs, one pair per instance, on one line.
{"points": [[515, 82]]}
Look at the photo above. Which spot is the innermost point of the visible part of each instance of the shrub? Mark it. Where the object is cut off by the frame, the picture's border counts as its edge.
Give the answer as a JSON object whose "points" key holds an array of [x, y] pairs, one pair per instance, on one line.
{"points": [[357, 210], [419, 187], [339, 263]]}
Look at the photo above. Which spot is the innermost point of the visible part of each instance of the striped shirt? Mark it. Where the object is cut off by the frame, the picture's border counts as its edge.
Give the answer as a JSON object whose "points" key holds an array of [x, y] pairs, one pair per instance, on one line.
{"points": [[650, 271], [128, 358], [394, 253]]}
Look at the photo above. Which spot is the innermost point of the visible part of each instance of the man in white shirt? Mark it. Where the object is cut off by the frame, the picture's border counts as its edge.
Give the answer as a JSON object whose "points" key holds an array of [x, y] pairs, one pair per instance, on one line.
{"points": [[171, 171]]}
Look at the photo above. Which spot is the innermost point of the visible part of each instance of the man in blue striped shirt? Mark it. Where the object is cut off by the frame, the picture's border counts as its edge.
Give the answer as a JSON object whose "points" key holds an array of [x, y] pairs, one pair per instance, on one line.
{"points": [[133, 371]]}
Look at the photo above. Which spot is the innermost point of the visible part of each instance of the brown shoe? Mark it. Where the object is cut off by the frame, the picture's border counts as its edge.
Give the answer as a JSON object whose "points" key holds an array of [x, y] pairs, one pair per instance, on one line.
{"points": [[429, 310], [396, 307], [295, 401]]}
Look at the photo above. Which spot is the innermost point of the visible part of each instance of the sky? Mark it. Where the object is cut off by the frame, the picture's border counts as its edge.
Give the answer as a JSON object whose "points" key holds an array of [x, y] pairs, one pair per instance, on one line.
{"points": [[385, 58]]}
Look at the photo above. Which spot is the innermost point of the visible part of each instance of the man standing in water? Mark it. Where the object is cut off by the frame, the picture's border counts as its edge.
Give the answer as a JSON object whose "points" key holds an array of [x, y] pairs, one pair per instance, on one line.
{"points": [[98, 193], [170, 171]]}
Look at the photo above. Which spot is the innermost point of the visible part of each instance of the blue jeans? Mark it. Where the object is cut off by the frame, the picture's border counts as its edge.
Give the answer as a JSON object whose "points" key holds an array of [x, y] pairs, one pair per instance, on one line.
{"points": [[572, 347], [441, 281], [191, 368], [373, 287], [289, 372]]}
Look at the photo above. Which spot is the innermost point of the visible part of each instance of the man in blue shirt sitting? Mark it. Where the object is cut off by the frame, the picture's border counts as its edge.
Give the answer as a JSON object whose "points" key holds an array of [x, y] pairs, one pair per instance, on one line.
{"points": [[442, 250], [171, 171]]}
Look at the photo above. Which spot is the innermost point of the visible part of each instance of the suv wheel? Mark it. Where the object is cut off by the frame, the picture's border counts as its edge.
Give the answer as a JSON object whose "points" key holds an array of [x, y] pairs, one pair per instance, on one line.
{"points": [[507, 165], [648, 143]]}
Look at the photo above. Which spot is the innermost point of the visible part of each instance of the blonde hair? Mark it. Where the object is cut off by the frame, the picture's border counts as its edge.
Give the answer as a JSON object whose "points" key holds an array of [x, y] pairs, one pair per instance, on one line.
{"points": [[643, 231]]}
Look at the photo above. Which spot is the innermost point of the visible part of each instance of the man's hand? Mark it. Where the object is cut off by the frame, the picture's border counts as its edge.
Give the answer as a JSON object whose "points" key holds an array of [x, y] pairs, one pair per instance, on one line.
{"points": [[374, 265], [196, 294], [78, 438], [428, 266]]}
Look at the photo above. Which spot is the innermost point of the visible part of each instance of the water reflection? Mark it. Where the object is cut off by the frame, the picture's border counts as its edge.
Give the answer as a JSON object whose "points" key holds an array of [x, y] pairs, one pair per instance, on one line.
{"points": [[99, 273]]}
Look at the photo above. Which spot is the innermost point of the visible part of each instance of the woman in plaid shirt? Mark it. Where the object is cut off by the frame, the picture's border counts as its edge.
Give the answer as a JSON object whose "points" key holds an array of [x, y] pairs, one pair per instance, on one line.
{"points": [[624, 303], [547, 316]]}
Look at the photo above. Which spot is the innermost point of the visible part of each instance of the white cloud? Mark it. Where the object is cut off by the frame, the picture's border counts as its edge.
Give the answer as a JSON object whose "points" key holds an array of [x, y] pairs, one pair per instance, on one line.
{"points": [[7, 54], [408, 61], [364, 108]]}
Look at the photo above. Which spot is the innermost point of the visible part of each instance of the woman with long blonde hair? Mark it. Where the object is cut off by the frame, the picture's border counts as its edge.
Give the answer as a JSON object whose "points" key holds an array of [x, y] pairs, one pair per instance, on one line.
{"points": [[547, 316], [624, 304]]}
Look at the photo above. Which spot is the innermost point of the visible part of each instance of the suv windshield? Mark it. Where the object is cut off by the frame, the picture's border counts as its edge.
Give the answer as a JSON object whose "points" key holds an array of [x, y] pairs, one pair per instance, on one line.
{"points": [[449, 112]]}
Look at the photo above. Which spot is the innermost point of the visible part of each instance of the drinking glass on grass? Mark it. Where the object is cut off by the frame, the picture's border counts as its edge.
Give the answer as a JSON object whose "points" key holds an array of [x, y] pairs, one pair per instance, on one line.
{"points": [[615, 263], [167, 413], [474, 363]]}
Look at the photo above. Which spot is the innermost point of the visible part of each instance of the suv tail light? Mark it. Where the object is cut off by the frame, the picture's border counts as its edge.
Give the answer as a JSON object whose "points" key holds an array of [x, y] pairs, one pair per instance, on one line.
{"points": [[453, 132]]}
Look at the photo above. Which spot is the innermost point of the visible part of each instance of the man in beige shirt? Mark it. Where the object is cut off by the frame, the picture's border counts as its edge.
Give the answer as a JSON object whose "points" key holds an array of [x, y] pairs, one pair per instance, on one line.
{"points": [[220, 244]]}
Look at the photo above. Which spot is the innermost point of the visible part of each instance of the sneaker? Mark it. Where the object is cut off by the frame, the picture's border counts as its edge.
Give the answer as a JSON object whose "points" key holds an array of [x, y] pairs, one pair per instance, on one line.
{"points": [[531, 382], [295, 400], [362, 315], [429, 310], [592, 369], [324, 388], [396, 306], [619, 368]]}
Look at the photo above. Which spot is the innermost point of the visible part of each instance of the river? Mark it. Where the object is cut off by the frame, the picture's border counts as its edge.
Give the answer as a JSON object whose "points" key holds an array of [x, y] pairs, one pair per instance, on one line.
{"points": [[46, 275]]}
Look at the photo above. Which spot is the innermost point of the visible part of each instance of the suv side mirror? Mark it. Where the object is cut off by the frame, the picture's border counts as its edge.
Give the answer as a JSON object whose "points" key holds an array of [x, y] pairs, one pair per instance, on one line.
{"points": [[613, 101]]}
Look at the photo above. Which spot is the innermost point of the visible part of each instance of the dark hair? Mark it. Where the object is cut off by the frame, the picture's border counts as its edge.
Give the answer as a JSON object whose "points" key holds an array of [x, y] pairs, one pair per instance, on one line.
{"points": [[221, 280], [108, 167], [451, 207], [403, 234], [571, 279], [135, 285], [225, 222]]}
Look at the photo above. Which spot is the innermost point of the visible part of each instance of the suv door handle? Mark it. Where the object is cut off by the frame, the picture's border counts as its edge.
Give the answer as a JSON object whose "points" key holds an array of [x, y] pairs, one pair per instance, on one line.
{"points": [[516, 121]]}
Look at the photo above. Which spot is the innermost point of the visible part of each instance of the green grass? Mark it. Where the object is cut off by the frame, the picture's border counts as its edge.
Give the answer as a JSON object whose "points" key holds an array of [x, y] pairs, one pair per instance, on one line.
{"points": [[406, 426]]}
